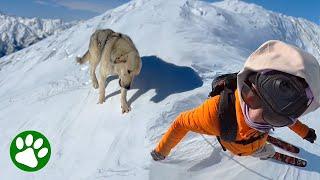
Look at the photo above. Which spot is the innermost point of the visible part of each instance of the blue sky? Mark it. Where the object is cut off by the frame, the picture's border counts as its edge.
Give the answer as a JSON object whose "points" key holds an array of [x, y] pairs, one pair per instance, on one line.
{"points": [[63, 9], [83, 9], [308, 9]]}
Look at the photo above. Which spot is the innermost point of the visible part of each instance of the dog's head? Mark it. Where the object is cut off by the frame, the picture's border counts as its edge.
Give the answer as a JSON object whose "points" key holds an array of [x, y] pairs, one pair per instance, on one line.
{"points": [[129, 68]]}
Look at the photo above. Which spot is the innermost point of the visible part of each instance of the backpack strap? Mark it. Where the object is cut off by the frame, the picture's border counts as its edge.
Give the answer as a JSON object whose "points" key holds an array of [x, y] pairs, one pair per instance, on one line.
{"points": [[223, 81], [219, 140], [227, 116], [251, 140]]}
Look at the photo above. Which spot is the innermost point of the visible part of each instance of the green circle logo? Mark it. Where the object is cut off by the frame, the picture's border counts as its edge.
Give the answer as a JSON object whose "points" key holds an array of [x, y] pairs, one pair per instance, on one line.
{"points": [[30, 151]]}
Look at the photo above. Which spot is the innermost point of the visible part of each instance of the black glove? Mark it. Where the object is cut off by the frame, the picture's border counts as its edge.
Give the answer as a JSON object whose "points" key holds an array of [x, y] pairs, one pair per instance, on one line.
{"points": [[157, 156], [311, 136]]}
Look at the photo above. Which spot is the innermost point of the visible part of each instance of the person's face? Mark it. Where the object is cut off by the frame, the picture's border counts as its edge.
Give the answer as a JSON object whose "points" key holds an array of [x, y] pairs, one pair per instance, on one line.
{"points": [[260, 111], [256, 115]]}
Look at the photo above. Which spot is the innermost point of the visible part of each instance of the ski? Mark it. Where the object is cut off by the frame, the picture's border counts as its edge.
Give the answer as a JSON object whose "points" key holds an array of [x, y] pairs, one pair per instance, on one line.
{"points": [[290, 160], [283, 145]]}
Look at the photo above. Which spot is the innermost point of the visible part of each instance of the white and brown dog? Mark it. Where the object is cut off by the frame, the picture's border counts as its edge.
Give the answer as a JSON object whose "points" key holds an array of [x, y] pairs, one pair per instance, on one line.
{"points": [[118, 56]]}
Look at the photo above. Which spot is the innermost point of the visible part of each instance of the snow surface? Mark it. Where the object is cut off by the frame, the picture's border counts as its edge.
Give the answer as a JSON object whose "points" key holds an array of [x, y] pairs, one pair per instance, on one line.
{"points": [[18, 32], [183, 45]]}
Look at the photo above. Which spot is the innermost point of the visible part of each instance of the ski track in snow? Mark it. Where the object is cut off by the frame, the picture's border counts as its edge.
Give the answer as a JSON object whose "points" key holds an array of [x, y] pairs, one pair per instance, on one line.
{"points": [[183, 45]]}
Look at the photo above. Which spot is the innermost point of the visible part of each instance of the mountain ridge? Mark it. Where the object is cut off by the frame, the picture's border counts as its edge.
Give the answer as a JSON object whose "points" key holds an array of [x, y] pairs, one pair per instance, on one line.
{"points": [[20, 32]]}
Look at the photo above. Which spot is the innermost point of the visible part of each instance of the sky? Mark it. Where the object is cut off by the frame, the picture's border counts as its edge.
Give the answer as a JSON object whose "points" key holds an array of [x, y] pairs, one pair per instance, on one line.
{"points": [[69, 10], [66, 10]]}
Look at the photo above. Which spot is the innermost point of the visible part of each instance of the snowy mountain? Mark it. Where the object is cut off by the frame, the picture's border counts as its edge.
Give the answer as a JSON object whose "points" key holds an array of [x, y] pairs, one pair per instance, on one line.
{"points": [[183, 45], [19, 32]]}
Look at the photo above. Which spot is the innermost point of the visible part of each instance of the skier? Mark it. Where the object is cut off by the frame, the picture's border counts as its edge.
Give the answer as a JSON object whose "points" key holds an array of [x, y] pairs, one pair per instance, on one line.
{"points": [[278, 84]]}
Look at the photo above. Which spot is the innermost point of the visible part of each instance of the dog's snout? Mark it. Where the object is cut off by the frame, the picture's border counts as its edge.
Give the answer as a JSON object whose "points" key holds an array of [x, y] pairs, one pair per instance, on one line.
{"points": [[124, 86], [127, 87]]}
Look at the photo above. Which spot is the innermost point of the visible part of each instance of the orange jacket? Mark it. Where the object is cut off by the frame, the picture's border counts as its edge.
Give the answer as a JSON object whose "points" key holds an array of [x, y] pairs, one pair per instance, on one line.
{"points": [[204, 120]]}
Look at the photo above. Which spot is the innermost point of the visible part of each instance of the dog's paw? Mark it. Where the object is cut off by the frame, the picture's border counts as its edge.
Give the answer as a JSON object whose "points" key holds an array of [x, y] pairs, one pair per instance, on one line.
{"points": [[125, 108], [95, 85], [101, 101], [79, 60]]}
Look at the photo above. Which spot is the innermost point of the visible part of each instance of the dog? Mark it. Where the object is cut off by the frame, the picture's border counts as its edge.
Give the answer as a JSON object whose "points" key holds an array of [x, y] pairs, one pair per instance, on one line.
{"points": [[117, 55], [93, 54]]}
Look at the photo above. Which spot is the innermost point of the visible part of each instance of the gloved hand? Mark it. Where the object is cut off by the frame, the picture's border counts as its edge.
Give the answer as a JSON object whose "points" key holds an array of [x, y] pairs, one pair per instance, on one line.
{"points": [[157, 156], [311, 136]]}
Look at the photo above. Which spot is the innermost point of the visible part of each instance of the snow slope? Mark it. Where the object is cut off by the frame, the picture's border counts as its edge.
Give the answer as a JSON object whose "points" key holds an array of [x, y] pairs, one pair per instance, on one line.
{"points": [[18, 32], [183, 45]]}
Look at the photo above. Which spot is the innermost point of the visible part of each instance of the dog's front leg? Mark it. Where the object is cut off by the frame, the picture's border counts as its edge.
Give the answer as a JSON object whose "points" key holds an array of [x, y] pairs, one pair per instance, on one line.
{"points": [[104, 70], [124, 104], [102, 88], [93, 75]]}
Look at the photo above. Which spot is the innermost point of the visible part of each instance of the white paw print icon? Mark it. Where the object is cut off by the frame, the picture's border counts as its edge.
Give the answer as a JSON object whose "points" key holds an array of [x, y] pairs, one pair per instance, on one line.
{"points": [[31, 149], [28, 157]]}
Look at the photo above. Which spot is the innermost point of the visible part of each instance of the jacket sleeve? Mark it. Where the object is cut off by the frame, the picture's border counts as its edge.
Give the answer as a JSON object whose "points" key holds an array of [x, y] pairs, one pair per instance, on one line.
{"points": [[202, 119], [300, 129]]}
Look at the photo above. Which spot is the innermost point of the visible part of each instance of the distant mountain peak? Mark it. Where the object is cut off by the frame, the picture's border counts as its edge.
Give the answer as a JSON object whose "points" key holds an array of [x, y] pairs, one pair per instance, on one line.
{"points": [[20, 32]]}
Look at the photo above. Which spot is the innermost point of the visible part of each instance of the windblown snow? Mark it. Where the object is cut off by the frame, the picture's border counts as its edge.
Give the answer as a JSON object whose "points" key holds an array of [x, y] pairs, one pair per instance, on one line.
{"points": [[183, 45], [17, 32]]}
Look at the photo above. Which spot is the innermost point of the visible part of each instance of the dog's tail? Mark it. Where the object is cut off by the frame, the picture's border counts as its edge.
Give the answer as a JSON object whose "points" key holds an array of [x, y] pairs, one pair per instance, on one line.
{"points": [[84, 58]]}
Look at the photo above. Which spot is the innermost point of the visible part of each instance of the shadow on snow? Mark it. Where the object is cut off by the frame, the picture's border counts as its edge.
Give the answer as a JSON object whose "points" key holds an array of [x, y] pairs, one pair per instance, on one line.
{"points": [[165, 78]]}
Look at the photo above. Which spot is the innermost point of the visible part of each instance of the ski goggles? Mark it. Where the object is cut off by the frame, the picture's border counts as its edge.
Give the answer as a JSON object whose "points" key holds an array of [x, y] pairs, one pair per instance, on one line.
{"points": [[255, 100]]}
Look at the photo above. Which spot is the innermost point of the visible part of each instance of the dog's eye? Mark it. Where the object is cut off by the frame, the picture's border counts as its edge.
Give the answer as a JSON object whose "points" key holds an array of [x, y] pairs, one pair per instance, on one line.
{"points": [[129, 71]]}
